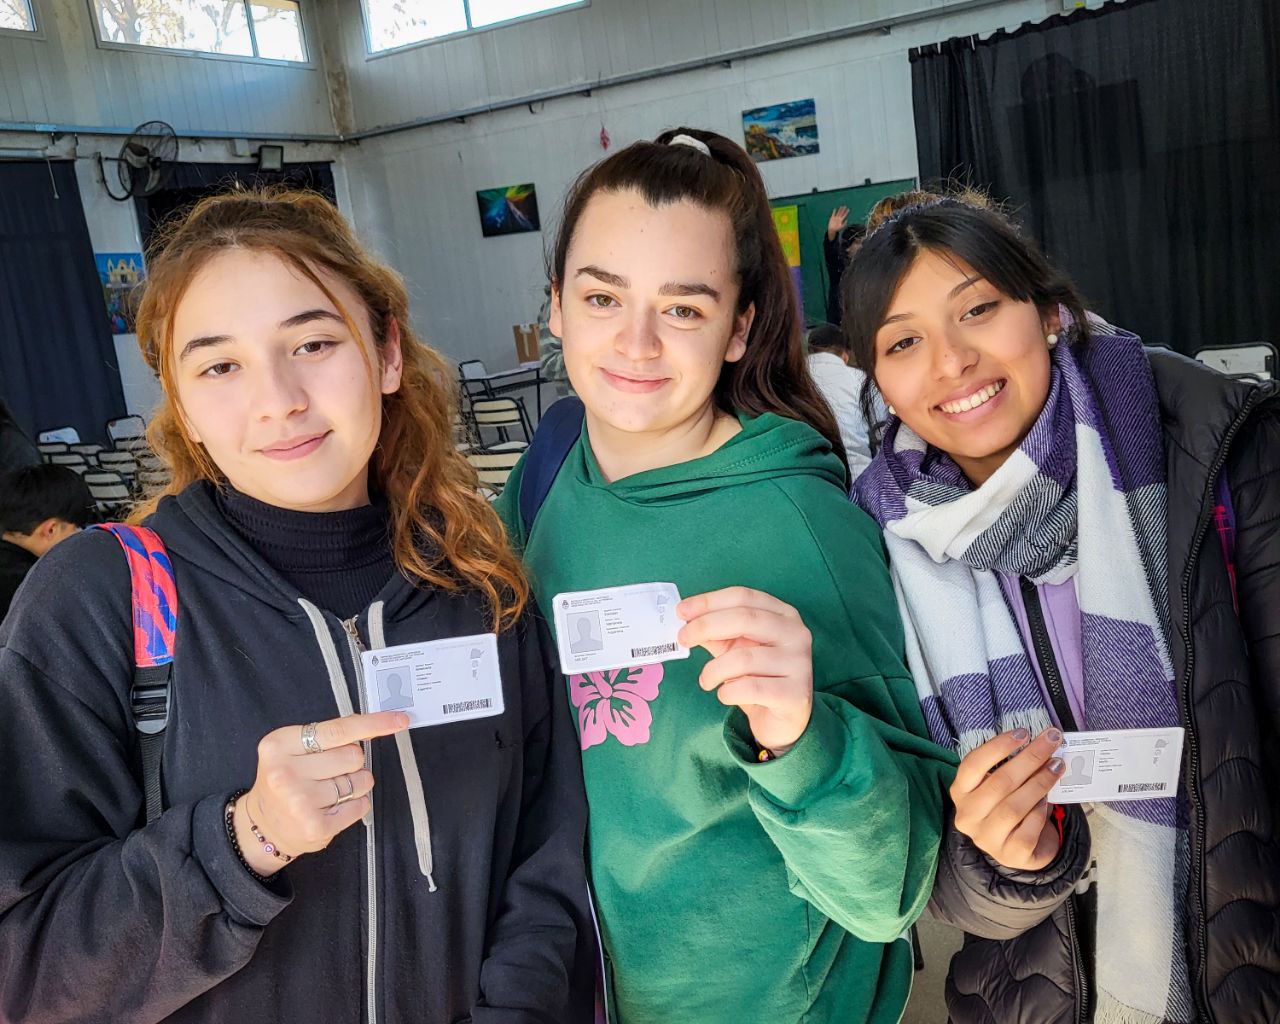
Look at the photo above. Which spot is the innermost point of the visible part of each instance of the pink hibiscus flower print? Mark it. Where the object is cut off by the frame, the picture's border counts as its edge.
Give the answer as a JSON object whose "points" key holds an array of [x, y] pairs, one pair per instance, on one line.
{"points": [[615, 702]]}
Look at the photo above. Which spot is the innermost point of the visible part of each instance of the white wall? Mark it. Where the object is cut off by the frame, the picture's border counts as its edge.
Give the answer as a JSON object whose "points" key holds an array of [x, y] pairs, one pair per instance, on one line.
{"points": [[61, 76], [413, 193]]}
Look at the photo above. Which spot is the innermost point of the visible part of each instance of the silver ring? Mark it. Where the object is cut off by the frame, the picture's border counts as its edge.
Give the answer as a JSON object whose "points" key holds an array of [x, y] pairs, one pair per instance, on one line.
{"points": [[310, 744], [351, 789]]}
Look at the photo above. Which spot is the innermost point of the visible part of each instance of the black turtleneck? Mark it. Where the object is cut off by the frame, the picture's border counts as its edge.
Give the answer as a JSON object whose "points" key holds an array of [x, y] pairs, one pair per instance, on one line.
{"points": [[338, 560]]}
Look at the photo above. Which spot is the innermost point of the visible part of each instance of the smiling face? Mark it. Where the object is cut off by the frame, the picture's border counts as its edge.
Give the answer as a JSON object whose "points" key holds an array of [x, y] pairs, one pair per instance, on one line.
{"points": [[648, 313], [273, 383], [964, 366]]}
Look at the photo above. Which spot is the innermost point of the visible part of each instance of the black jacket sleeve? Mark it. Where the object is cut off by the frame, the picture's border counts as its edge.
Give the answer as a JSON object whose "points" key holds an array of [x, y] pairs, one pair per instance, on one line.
{"points": [[1253, 479], [985, 899], [834, 260], [539, 967], [101, 919]]}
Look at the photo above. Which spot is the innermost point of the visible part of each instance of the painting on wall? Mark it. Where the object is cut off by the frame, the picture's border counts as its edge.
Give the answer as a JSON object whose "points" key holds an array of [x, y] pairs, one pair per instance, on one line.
{"points": [[786, 219], [508, 211], [120, 274], [782, 130]]}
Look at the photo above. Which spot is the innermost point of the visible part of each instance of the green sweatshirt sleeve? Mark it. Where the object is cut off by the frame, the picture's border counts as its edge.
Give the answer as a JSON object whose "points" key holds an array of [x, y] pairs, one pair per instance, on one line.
{"points": [[856, 806]]}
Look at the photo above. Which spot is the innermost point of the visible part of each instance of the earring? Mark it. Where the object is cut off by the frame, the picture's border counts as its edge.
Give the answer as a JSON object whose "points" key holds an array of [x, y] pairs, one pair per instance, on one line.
{"points": [[893, 411], [1052, 339]]}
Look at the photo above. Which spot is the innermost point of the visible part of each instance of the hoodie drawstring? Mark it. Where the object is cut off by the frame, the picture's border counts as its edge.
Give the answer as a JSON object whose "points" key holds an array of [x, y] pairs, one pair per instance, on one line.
{"points": [[409, 767]]}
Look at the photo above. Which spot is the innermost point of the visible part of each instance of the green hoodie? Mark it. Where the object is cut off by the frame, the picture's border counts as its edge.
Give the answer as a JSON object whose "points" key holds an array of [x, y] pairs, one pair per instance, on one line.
{"points": [[732, 891]]}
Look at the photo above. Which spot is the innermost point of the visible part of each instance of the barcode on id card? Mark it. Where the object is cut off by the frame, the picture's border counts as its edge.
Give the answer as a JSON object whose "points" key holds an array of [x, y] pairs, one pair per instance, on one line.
{"points": [[1143, 787], [467, 705], [649, 652]]}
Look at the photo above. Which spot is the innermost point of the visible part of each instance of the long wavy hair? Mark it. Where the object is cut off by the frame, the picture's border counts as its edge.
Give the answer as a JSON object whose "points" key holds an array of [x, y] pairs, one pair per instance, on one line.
{"points": [[443, 532], [773, 375]]}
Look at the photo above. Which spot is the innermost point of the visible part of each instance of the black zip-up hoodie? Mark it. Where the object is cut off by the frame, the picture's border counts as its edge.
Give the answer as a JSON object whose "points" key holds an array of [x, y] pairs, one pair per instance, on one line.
{"points": [[105, 919]]}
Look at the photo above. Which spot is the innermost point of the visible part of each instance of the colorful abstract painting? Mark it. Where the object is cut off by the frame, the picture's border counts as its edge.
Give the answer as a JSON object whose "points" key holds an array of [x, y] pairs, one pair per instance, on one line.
{"points": [[120, 273], [508, 211], [782, 130], [786, 219]]}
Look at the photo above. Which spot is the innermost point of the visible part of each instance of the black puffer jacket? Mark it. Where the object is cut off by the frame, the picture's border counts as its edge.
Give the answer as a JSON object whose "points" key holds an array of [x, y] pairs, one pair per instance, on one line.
{"points": [[1022, 961]]}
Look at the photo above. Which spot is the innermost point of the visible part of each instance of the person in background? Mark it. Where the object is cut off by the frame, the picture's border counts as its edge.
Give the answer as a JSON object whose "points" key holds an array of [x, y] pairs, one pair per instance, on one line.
{"points": [[16, 449], [40, 506], [551, 351], [839, 245], [841, 385], [1083, 535]]}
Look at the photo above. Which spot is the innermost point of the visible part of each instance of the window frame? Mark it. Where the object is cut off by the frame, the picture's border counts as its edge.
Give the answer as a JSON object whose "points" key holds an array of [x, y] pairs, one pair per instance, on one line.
{"points": [[371, 54], [34, 32], [304, 31]]}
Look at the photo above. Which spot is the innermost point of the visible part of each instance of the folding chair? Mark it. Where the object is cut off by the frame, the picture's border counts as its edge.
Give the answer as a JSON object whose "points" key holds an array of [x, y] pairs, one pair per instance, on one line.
{"points": [[89, 451], [72, 460], [149, 461], [502, 414], [48, 448], [125, 426], [493, 467], [110, 493], [67, 435], [152, 480], [119, 462], [132, 444]]}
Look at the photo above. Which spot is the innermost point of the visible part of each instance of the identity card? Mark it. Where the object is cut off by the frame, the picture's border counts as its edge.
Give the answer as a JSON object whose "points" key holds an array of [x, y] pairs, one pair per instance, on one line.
{"points": [[618, 627], [436, 682], [1121, 764]]}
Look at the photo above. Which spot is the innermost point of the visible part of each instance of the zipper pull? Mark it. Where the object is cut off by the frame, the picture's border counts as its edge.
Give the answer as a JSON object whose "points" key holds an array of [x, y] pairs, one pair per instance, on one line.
{"points": [[353, 634]]}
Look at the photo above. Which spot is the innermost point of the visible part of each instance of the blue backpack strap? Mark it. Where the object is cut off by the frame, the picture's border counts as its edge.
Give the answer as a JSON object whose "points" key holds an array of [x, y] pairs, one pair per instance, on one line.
{"points": [[557, 433], [155, 621]]}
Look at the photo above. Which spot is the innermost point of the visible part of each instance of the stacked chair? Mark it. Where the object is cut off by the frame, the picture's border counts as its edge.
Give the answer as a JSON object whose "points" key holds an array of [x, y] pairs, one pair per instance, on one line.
{"points": [[117, 476]]}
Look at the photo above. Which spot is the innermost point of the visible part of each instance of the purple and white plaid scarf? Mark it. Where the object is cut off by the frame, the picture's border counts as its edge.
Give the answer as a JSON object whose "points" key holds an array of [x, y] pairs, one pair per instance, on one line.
{"points": [[1083, 499]]}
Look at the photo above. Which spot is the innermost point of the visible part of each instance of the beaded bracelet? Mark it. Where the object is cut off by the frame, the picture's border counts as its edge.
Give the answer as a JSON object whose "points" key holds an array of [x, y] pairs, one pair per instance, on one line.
{"points": [[266, 843], [231, 835]]}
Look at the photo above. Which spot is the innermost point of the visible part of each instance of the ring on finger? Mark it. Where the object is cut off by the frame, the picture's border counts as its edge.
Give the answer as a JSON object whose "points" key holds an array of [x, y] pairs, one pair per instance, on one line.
{"points": [[310, 744], [343, 797]]}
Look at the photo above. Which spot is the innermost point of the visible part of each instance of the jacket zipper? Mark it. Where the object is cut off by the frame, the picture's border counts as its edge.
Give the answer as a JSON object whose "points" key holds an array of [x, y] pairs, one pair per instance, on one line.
{"points": [[356, 646], [1193, 753], [1058, 697]]}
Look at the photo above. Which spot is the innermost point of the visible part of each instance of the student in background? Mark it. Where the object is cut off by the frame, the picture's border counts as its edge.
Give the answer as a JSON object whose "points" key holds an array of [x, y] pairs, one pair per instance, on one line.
{"points": [[841, 385], [838, 247], [1083, 534], [775, 788], [40, 506], [318, 508]]}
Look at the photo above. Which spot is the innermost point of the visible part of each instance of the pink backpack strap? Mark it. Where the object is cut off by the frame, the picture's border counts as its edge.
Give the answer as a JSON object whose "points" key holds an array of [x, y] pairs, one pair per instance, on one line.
{"points": [[155, 622]]}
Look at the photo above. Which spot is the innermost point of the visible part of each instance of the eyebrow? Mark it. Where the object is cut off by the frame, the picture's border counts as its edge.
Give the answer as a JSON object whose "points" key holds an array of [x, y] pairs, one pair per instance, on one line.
{"points": [[670, 288], [968, 282], [297, 320]]}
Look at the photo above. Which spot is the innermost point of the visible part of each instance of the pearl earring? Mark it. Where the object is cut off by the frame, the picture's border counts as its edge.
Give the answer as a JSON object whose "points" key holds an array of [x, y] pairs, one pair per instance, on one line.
{"points": [[893, 411], [1052, 339]]}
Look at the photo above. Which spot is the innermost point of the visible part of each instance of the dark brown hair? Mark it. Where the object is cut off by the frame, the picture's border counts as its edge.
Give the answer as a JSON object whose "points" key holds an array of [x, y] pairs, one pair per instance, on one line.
{"points": [[442, 531], [958, 225], [772, 376]]}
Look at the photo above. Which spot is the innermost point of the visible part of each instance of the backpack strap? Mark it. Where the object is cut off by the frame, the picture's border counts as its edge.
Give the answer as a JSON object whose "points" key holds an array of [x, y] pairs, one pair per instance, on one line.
{"points": [[155, 620], [557, 433]]}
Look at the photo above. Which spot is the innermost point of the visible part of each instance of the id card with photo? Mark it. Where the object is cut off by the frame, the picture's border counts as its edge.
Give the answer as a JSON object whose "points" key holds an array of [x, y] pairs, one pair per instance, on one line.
{"points": [[618, 627], [440, 681], [1120, 764]]}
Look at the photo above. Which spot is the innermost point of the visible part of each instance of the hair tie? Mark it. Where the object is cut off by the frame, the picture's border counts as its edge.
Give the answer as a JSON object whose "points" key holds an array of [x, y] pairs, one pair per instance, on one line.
{"points": [[689, 140]]}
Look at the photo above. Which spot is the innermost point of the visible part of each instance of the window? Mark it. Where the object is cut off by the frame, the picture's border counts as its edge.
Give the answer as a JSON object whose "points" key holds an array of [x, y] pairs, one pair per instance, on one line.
{"points": [[266, 29], [17, 15], [395, 23]]}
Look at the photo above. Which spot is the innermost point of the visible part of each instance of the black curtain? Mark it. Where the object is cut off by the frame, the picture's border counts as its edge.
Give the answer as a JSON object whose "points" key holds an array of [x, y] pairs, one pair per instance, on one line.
{"points": [[190, 182], [1140, 144], [57, 360]]}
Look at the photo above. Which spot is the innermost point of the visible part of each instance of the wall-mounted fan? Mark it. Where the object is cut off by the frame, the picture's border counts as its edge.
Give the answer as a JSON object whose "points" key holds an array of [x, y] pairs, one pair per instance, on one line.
{"points": [[145, 161]]}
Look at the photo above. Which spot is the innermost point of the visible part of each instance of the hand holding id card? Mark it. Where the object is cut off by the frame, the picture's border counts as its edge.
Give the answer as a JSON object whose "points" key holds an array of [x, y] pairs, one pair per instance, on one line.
{"points": [[617, 627], [440, 681], [1120, 764]]}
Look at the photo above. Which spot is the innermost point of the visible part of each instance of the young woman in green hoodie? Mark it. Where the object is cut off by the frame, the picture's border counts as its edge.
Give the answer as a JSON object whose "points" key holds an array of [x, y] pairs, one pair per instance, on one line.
{"points": [[775, 792]]}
